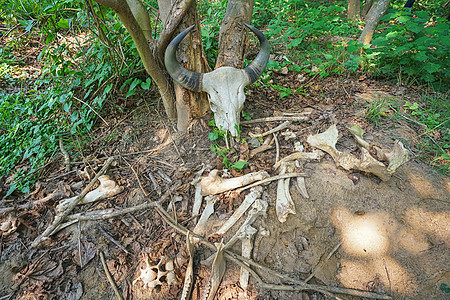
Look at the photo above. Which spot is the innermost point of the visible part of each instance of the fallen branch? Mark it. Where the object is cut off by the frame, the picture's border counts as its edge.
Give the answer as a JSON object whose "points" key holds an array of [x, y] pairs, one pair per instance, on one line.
{"points": [[60, 217], [279, 118], [108, 275]]}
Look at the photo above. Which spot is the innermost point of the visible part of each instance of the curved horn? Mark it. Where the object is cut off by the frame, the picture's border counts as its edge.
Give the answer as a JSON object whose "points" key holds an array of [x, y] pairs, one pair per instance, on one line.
{"points": [[257, 66], [186, 78]]}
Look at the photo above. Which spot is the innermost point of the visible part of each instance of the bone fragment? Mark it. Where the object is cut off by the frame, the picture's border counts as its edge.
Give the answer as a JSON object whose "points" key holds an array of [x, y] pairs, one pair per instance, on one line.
{"points": [[107, 188], [189, 276], [207, 212], [246, 237], [397, 157], [276, 129], [150, 275], [302, 187], [358, 134], [284, 204], [326, 141], [371, 165], [171, 278], [218, 269], [316, 154], [259, 208], [254, 194], [214, 184]]}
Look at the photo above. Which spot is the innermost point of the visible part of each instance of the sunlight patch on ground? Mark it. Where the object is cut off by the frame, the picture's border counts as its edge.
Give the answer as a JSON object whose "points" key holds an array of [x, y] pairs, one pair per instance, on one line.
{"points": [[436, 224], [369, 240], [382, 273]]}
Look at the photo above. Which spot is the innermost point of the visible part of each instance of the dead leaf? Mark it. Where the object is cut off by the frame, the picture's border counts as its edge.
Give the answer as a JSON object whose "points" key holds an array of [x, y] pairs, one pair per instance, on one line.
{"points": [[88, 251]]}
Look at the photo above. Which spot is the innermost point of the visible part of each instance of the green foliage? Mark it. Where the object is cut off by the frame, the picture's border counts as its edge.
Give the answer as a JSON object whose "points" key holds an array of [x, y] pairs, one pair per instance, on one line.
{"points": [[433, 113], [414, 44], [66, 99], [229, 156], [377, 109]]}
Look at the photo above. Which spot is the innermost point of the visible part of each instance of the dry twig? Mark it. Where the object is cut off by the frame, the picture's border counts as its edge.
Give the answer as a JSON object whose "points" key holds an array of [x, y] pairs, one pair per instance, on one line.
{"points": [[108, 275]]}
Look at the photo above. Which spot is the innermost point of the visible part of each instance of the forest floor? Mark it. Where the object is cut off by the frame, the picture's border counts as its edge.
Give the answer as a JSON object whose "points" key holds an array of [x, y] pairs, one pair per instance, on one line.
{"points": [[355, 231]]}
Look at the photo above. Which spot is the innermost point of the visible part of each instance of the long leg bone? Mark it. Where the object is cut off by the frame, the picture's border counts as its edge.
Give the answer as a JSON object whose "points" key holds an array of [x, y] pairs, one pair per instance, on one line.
{"points": [[207, 212], [254, 194], [246, 237], [214, 184], [198, 191]]}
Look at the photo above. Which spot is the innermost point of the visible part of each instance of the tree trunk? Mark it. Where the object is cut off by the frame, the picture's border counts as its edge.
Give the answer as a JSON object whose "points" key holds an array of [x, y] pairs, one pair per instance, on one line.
{"points": [[366, 8], [354, 9], [373, 17], [233, 34], [135, 18], [190, 105]]}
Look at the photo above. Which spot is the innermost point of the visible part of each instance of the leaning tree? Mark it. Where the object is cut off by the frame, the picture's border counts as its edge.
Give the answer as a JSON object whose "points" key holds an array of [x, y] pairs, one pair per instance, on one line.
{"points": [[182, 103]]}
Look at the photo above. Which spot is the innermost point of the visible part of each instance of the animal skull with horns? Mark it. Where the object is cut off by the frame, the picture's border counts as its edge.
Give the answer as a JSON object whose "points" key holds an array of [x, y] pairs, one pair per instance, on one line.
{"points": [[225, 85]]}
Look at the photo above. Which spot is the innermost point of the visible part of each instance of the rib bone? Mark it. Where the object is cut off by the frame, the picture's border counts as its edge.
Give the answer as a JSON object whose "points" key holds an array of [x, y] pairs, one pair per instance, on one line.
{"points": [[284, 204]]}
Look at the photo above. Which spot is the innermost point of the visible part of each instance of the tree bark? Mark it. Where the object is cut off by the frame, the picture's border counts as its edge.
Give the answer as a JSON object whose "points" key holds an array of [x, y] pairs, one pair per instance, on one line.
{"points": [[233, 34], [354, 9], [373, 17], [189, 105], [366, 8]]}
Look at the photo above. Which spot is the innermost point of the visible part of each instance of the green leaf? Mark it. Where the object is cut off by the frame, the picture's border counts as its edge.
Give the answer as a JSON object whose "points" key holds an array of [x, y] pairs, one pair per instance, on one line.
{"points": [[130, 93], [74, 116], [431, 67], [135, 82], [67, 106], [108, 88], [213, 136], [146, 85], [64, 23], [240, 164]]}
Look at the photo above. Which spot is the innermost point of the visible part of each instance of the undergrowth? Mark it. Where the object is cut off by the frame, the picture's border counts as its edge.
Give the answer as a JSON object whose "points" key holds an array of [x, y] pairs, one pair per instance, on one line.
{"points": [[65, 99]]}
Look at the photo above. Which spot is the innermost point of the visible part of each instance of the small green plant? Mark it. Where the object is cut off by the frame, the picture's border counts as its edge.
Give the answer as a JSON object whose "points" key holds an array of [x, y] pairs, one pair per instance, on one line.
{"points": [[229, 156], [377, 109]]}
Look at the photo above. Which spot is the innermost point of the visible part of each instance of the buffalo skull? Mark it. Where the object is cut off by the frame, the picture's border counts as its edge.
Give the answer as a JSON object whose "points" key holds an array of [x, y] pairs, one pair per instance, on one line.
{"points": [[224, 86]]}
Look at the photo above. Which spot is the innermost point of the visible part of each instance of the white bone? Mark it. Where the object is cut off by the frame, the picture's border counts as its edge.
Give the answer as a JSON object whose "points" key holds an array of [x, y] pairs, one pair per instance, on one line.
{"points": [[302, 187], [106, 189], [254, 194], [214, 184], [284, 204], [171, 278], [246, 237], [207, 212], [225, 88], [149, 277], [198, 191]]}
